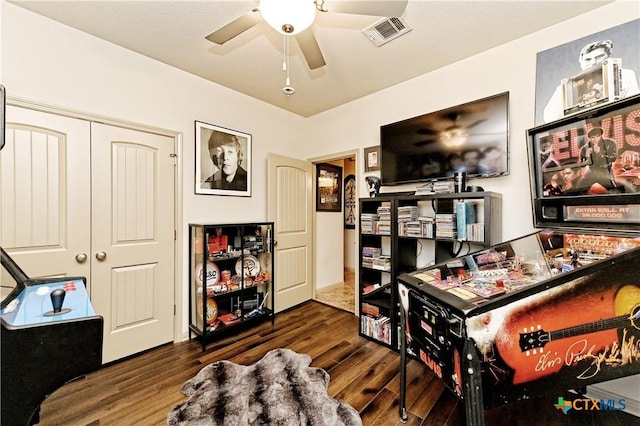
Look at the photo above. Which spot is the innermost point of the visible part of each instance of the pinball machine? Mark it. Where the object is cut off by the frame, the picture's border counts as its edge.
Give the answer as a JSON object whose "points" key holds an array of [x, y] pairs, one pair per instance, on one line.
{"points": [[554, 310], [50, 335]]}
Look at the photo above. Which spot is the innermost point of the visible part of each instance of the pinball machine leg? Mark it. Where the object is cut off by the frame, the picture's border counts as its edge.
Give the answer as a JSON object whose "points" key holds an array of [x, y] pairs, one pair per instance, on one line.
{"points": [[473, 400], [403, 368]]}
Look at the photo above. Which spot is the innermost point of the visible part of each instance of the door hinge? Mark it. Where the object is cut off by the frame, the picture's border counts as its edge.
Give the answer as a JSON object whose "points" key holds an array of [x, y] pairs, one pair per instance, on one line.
{"points": [[175, 235], [174, 310]]}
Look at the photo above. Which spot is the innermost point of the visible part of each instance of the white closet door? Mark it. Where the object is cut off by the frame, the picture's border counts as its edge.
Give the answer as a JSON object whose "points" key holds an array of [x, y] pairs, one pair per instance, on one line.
{"points": [[133, 238], [72, 190], [45, 193]]}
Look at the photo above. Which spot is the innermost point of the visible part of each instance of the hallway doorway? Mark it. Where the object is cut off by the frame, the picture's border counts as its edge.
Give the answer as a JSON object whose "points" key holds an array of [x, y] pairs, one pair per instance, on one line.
{"points": [[341, 295], [337, 269]]}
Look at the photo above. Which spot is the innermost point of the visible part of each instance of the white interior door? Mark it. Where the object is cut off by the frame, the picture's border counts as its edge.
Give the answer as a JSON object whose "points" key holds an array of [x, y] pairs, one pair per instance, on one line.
{"points": [[72, 190], [290, 207], [45, 193], [133, 238]]}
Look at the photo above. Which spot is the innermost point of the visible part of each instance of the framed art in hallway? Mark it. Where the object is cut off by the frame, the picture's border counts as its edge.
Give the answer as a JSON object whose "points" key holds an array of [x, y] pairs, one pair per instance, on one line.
{"points": [[223, 161], [328, 188]]}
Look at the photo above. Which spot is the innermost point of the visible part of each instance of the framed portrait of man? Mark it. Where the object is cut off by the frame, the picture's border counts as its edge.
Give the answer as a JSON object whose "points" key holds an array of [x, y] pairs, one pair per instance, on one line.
{"points": [[372, 158], [582, 60], [223, 161]]}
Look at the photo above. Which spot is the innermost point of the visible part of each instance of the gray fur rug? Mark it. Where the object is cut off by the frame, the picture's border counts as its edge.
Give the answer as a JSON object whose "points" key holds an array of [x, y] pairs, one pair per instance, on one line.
{"points": [[280, 389]]}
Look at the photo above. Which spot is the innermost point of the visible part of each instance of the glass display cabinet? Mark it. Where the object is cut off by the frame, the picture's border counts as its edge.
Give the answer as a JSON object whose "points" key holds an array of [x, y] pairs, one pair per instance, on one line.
{"points": [[231, 277]]}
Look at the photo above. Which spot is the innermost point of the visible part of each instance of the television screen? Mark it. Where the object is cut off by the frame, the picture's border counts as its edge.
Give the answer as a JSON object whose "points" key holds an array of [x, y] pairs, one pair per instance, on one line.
{"points": [[471, 138]]}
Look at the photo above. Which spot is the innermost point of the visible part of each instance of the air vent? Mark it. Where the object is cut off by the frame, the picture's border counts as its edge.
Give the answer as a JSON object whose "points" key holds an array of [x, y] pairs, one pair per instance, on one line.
{"points": [[386, 30]]}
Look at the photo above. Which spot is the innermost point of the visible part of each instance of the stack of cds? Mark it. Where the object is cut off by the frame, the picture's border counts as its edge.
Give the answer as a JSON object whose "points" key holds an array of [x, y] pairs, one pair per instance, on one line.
{"points": [[368, 223], [369, 254], [382, 263], [475, 232], [384, 221], [406, 215], [413, 229], [443, 186], [426, 225], [446, 225]]}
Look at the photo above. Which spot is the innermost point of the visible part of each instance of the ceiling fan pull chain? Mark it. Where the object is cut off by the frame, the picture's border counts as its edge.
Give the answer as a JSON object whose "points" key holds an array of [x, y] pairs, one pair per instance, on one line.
{"points": [[284, 49], [287, 89]]}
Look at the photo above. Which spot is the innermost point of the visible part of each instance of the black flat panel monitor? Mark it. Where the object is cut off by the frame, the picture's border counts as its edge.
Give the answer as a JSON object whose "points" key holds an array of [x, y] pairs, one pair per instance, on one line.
{"points": [[471, 138]]}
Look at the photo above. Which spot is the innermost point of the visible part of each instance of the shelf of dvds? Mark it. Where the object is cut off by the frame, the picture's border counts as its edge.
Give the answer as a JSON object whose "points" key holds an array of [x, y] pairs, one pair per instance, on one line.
{"points": [[234, 263], [402, 233]]}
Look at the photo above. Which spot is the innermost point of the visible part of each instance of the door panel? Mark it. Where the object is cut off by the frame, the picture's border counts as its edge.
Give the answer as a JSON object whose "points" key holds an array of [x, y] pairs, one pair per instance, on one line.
{"points": [[45, 192], [133, 218], [290, 207]]}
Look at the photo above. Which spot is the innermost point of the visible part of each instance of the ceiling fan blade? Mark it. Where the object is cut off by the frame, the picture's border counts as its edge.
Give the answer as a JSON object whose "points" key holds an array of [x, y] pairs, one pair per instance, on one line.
{"points": [[476, 123], [388, 8], [235, 27], [310, 49], [426, 131]]}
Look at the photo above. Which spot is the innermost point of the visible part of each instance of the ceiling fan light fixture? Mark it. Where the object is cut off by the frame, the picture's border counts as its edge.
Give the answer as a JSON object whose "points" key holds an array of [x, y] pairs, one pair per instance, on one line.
{"points": [[454, 137], [288, 16]]}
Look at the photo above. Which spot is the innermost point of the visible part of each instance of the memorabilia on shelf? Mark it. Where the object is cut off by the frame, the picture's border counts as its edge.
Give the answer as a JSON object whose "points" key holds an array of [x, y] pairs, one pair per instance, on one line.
{"points": [[230, 277], [596, 85]]}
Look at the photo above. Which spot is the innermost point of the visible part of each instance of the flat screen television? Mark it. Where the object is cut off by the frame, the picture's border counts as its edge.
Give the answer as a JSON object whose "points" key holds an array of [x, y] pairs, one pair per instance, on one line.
{"points": [[471, 138]]}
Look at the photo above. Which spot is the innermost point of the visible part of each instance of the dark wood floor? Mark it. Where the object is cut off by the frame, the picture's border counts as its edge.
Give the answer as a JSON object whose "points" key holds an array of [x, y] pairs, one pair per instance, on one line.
{"points": [[144, 389]]}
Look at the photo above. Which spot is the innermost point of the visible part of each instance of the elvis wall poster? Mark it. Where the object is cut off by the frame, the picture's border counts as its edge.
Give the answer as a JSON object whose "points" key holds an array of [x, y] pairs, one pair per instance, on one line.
{"points": [[573, 59]]}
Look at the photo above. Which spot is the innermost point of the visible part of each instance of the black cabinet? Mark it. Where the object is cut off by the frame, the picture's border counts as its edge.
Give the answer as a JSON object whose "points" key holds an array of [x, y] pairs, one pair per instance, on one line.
{"points": [[402, 233], [231, 277]]}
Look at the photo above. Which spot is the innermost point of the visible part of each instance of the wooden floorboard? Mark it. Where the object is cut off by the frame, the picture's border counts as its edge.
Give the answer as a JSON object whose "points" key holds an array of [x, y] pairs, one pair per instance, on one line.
{"points": [[143, 389]]}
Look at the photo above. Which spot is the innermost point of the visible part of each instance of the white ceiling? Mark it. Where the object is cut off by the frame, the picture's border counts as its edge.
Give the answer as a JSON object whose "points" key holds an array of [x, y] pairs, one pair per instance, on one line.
{"points": [[174, 32]]}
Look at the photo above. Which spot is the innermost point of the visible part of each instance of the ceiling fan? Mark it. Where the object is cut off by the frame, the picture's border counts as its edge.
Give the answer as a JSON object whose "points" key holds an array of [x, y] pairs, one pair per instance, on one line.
{"points": [[294, 17]]}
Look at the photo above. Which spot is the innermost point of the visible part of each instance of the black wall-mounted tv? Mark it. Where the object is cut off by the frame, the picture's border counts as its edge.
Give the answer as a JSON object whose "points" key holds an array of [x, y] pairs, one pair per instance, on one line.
{"points": [[471, 138]]}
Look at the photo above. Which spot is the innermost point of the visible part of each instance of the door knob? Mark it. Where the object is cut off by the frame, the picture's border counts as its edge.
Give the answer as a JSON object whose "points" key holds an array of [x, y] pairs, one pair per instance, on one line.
{"points": [[81, 257], [101, 255]]}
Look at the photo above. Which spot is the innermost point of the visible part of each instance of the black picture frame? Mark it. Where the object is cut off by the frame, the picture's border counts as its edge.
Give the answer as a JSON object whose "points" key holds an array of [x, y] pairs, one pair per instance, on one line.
{"points": [[350, 202], [328, 188], [209, 178], [372, 158]]}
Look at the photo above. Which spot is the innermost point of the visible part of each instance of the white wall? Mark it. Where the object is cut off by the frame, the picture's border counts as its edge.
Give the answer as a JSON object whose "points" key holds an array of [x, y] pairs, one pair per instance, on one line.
{"points": [[329, 263], [49, 63]]}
